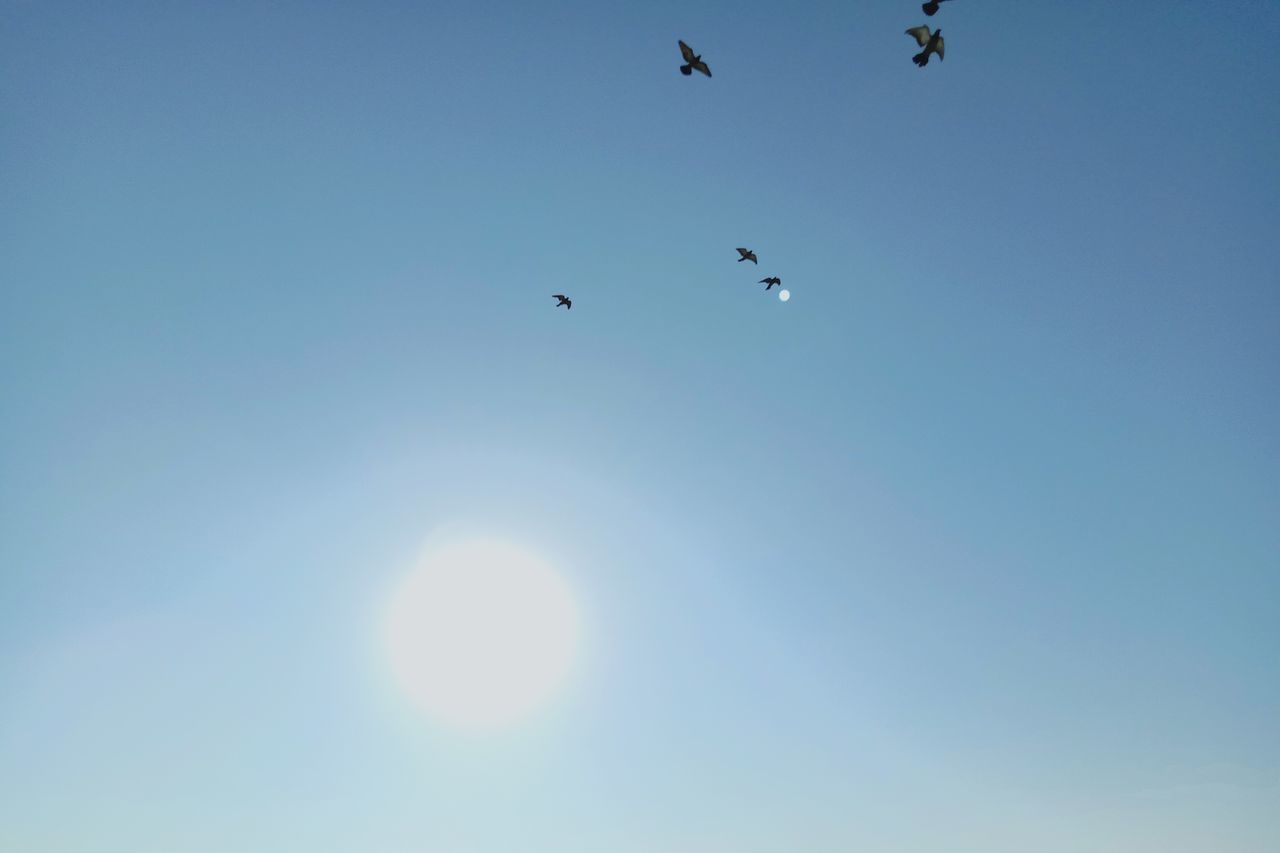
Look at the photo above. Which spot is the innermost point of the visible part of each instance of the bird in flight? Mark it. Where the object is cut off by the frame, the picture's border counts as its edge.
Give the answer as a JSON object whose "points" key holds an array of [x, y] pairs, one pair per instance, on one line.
{"points": [[747, 255], [931, 8], [770, 282], [931, 42], [692, 61], [564, 300]]}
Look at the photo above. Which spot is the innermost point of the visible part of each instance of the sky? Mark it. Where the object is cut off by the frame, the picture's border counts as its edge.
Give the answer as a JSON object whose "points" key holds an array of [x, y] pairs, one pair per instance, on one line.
{"points": [[972, 545]]}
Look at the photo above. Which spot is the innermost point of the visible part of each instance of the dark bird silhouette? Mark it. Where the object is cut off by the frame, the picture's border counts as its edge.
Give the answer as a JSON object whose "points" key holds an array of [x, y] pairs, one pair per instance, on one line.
{"points": [[770, 281], [693, 61], [931, 42], [564, 300], [931, 8], [747, 255]]}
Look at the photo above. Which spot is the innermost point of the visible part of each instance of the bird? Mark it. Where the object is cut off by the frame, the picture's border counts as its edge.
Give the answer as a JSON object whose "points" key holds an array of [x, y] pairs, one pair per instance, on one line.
{"points": [[747, 255], [770, 281], [692, 61], [931, 8], [564, 300], [931, 42]]}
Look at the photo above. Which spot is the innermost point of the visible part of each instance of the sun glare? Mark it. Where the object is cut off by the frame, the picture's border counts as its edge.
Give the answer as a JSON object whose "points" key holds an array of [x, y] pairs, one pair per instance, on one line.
{"points": [[481, 633]]}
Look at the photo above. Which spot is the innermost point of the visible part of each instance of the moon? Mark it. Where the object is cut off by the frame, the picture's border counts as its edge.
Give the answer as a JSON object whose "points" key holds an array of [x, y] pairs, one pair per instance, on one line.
{"points": [[784, 295], [480, 634]]}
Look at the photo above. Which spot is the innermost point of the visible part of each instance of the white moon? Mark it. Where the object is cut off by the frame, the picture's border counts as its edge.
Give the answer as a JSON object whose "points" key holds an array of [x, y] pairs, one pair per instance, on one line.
{"points": [[481, 633], [784, 295]]}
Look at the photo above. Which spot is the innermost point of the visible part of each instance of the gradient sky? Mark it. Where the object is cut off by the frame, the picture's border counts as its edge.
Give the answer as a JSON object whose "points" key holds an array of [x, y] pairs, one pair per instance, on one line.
{"points": [[974, 545]]}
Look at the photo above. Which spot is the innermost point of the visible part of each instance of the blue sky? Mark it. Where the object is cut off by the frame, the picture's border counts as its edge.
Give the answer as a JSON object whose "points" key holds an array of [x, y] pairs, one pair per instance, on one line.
{"points": [[973, 545]]}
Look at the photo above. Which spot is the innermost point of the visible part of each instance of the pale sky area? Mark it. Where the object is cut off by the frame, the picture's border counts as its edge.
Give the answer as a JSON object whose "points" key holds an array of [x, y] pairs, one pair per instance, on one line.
{"points": [[971, 546]]}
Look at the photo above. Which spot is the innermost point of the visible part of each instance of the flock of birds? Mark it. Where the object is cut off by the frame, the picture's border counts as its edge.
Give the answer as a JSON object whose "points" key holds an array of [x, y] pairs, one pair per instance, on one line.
{"points": [[930, 40]]}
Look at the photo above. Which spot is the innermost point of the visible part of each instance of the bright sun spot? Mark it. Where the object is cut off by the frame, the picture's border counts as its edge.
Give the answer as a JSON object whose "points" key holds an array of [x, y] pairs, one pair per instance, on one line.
{"points": [[481, 633], [784, 295]]}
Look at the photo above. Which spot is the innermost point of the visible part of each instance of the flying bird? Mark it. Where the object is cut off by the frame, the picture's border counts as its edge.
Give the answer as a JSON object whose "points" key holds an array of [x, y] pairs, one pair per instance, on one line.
{"points": [[931, 42], [692, 61], [564, 300], [770, 281], [747, 255], [931, 8]]}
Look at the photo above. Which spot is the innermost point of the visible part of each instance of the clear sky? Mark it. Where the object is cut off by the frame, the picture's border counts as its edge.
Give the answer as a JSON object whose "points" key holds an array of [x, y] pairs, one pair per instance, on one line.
{"points": [[974, 545]]}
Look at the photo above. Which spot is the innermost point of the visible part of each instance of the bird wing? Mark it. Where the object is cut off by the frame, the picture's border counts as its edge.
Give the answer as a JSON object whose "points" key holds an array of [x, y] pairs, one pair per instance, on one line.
{"points": [[942, 48], [686, 52], [568, 304], [703, 67], [744, 252], [557, 296], [920, 34]]}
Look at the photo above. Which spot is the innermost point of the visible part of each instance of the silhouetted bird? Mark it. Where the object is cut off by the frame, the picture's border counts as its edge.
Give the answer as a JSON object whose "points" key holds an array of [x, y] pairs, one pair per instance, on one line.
{"points": [[770, 281], [747, 255], [692, 61], [564, 300], [931, 42], [931, 8]]}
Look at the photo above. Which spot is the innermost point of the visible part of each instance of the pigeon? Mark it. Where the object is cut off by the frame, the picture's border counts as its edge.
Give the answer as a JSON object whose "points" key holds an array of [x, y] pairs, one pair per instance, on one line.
{"points": [[931, 42], [747, 255], [770, 281], [692, 61], [564, 300], [931, 8]]}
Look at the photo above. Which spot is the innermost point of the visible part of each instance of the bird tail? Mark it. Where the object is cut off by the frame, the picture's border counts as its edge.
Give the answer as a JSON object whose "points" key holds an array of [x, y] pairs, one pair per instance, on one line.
{"points": [[686, 70], [921, 59]]}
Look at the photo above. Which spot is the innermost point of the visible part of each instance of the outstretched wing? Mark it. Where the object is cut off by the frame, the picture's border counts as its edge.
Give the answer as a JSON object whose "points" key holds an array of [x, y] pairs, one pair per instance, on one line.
{"points": [[703, 67], [686, 52], [557, 296], [942, 48], [743, 252], [568, 304], [920, 34]]}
